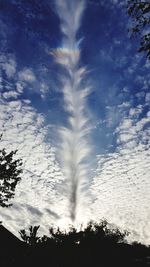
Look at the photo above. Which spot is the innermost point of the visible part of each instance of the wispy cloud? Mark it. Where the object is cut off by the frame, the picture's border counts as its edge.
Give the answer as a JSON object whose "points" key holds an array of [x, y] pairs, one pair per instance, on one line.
{"points": [[8, 64], [74, 148], [26, 75]]}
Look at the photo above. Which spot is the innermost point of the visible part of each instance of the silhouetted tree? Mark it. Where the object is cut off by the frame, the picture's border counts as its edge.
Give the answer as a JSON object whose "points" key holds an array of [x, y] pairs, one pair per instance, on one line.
{"points": [[32, 238], [99, 244], [93, 232], [9, 176], [139, 11]]}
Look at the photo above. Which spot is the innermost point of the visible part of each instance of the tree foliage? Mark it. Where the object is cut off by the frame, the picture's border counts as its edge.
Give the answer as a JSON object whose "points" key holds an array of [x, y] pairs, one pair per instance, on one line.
{"points": [[9, 176], [32, 238], [99, 244], [139, 11], [94, 232]]}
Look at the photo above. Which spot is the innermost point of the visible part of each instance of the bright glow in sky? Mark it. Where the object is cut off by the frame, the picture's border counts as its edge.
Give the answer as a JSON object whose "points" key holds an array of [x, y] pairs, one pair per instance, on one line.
{"points": [[33, 111]]}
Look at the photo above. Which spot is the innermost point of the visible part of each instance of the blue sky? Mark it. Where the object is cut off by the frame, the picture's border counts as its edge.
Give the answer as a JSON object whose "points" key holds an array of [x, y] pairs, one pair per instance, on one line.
{"points": [[32, 112]]}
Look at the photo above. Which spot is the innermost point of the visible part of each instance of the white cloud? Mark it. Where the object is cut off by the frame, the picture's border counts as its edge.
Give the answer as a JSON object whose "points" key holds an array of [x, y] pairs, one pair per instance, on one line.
{"points": [[10, 94], [147, 98], [134, 112], [14, 81], [19, 87], [23, 129], [121, 187], [43, 89], [143, 81], [8, 64], [121, 191], [140, 95], [27, 75]]}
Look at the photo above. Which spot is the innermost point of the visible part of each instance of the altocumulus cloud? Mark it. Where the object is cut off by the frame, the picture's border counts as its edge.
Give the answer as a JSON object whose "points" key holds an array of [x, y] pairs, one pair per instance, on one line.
{"points": [[120, 188], [37, 199], [121, 185]]}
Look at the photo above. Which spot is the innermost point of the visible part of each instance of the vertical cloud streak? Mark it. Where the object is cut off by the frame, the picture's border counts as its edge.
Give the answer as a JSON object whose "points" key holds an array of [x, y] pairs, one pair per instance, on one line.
{"points": [[75, 148]]}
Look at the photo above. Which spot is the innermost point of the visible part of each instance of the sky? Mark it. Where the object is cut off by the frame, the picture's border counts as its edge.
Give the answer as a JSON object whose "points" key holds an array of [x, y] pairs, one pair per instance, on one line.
{"points": [[75, 103]]}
